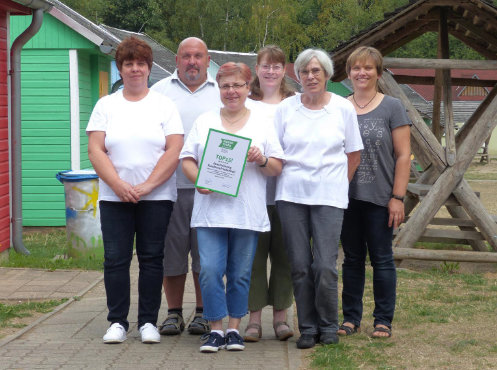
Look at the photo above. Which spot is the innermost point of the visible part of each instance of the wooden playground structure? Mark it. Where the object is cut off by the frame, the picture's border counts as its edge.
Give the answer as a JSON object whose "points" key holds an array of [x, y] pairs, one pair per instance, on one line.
{"points": [[441, 183]]}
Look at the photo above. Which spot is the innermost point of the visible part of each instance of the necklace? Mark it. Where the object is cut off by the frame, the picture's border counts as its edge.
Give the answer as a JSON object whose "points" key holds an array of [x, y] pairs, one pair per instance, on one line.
{"points": [[236, 120], [365, 105]]}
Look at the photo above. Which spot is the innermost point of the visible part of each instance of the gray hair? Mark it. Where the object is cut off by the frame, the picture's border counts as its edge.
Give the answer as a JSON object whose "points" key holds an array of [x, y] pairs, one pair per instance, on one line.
{"points": [[305, 57]]}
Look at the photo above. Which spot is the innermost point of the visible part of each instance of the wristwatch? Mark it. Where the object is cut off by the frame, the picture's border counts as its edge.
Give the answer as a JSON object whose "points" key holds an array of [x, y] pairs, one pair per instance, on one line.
{"points": [[265, 163], [398, 197]]}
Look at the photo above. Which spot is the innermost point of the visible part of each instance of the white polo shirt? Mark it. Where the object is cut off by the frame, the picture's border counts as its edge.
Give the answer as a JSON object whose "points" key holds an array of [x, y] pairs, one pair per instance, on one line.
{"points": [[190, 105], [315, 143]]}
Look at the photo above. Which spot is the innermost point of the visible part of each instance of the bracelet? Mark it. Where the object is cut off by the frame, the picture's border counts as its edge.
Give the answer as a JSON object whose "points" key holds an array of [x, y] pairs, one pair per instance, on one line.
{"points": [[398, 197], [265, 163]]}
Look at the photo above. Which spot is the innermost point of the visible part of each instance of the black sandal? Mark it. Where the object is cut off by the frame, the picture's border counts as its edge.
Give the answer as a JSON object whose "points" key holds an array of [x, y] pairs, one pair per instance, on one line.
{"points": [[348, 330], [199, 325], [380, 329]]}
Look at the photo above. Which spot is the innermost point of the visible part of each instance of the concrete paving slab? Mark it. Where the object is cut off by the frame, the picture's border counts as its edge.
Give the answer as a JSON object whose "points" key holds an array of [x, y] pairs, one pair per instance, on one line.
{"points": [[71, 338]]}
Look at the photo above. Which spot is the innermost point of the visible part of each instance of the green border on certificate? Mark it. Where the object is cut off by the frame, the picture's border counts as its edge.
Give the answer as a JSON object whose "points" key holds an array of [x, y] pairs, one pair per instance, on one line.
{"points": [[223, 162]]}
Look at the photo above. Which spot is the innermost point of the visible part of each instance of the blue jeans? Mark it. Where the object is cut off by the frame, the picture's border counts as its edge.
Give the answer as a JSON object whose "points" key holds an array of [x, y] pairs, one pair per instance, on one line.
{"points": [[313, 266], [365, 229], [230, 252], [120, 223]]}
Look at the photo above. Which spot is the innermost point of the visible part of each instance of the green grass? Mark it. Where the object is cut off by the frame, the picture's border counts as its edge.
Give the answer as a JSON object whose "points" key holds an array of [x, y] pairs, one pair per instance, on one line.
{"points": [[432, 301], [48, 251], [10, 312]]}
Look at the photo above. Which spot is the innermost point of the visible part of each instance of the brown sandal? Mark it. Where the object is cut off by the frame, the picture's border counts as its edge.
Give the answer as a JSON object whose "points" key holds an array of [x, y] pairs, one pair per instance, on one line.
{"points": [[251, 337], [282, 334]]}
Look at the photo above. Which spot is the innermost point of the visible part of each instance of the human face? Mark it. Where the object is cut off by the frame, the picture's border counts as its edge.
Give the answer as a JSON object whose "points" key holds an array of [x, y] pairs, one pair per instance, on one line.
{"points": [[192, 62], [313, 78], [270, 74], [134, 74], [364, 75], [234, 91]]}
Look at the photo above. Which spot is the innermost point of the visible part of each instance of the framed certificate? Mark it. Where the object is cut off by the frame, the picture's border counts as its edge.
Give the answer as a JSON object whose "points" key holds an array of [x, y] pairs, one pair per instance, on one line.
{"points": [[223, 162]]}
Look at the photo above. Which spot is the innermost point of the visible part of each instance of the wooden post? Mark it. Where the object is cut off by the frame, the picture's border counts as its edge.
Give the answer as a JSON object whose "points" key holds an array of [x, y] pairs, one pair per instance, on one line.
{"points": [[443, 41], [441, 255], [425, 146]]}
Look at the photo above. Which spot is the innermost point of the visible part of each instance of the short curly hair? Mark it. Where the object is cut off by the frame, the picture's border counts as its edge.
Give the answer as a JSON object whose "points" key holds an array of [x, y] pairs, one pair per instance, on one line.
{"points": [[133, 48]]}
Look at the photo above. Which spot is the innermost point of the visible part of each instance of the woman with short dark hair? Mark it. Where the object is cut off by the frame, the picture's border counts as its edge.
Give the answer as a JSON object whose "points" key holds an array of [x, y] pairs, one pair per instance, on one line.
{"points": [[134, 139]]}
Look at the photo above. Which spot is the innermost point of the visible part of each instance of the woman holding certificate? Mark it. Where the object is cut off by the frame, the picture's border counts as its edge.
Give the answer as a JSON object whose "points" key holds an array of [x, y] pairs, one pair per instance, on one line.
{"points": [[228, 226], [320, 136], [267, 90]]}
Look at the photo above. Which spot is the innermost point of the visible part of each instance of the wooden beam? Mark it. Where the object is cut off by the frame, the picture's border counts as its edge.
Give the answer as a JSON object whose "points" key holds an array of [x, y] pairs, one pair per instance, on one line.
{"points": [[420, 63], [428, 80], [477, 213], [426, 148], [422, 187], [467, 128], [451, 180], [443, 46], [443, 255], [475, 30], [474, 44]]}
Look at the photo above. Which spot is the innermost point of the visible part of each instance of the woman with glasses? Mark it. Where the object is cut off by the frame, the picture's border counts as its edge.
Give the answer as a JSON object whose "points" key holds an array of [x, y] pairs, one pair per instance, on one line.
{"points": [[320, 137], [228, 227], [267, 90]]}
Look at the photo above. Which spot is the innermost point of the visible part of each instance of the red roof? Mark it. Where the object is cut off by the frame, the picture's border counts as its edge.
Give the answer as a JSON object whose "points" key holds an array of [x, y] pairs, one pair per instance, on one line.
{"points": [[427, 91]]}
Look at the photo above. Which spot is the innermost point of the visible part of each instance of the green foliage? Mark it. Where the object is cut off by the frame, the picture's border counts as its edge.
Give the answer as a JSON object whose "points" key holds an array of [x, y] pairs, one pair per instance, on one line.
{"points": [[247, 25], [48, 251], [449, 267]]}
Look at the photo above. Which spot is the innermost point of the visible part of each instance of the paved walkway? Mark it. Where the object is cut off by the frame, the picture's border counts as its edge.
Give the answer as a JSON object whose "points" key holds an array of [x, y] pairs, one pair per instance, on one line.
{"points": [[71, 336]]}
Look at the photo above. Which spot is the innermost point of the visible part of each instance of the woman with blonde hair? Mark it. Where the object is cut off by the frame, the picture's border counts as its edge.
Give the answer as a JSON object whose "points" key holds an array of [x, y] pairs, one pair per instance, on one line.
{"points": [[376, 195]]}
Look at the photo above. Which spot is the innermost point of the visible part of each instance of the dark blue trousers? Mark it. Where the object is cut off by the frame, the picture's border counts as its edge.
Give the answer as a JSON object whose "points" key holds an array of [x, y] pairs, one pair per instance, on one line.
{"points": [[365, 229], [121, 222]]}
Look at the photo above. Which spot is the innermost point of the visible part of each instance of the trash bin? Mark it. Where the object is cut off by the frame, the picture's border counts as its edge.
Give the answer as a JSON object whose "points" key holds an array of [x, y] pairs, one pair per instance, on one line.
{"points": [[84, 236]]}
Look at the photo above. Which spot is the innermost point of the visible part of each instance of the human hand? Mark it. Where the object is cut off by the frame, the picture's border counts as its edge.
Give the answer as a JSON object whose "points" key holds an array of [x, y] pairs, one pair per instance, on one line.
{"points": [[395, 212], [143, 189], [255, 155], [204, 191], [126, 192]]}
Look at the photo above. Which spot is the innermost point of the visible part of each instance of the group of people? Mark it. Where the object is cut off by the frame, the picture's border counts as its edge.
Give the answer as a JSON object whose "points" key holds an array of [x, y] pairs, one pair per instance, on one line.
{"points": [[293, 206]]}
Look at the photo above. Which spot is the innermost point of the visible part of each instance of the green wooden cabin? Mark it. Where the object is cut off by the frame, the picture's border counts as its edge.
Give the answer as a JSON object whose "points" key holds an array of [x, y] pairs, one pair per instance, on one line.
{"points": [[64, 72]]}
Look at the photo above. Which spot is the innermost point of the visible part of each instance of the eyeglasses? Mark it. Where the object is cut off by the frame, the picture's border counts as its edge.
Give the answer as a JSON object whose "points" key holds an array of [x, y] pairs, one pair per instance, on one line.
{"points": [[315, 72], [235, 87], [275, 67]]}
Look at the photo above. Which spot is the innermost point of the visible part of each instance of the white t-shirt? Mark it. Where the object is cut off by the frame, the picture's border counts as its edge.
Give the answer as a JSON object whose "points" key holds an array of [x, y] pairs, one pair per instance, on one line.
{"points": [[135, 139], [190, 105], [248, 209], [315, 143], [268, 111]]}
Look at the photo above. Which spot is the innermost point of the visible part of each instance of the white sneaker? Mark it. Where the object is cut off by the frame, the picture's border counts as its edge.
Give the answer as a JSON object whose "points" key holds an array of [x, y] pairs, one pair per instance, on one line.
{"points": [[115, 334], [149, 333]]}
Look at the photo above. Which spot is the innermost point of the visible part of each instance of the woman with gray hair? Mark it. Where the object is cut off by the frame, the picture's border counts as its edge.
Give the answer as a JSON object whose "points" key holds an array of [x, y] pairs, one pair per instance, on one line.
{"points": [[320, 136]]}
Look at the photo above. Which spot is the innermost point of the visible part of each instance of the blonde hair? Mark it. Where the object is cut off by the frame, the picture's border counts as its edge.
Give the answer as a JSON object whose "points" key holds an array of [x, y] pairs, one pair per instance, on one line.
{"points": [[363, 53]]}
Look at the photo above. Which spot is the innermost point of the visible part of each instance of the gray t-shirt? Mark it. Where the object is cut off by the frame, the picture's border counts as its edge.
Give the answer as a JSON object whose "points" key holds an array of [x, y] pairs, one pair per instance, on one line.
{"points": [[373, 180]]}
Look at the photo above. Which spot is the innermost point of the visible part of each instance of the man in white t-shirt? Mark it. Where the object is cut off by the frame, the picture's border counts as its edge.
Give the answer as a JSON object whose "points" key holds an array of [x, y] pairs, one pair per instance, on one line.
{"points": [[194, 92]]}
